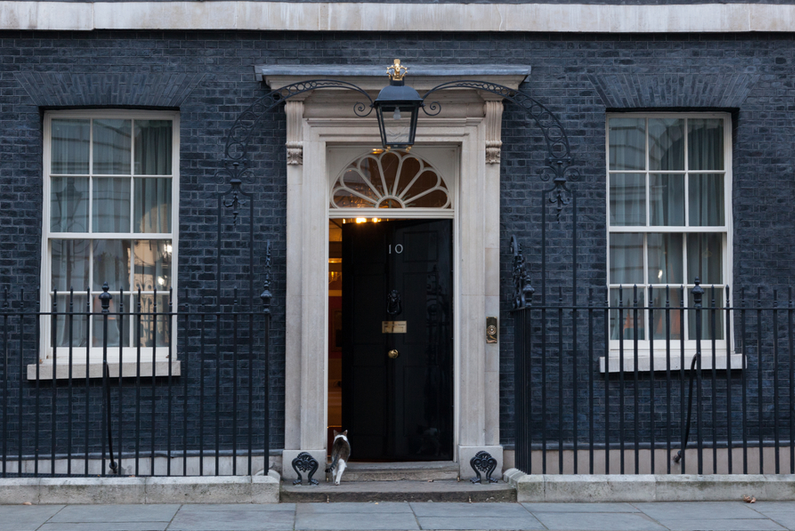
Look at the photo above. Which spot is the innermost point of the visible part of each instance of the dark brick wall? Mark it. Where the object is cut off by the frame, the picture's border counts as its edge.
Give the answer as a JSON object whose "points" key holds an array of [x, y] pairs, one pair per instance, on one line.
{"points": [[578, 77]]}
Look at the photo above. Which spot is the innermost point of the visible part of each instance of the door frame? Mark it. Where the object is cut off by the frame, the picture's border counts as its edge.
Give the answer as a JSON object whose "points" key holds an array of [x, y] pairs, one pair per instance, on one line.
{"points": [[469, 120]]}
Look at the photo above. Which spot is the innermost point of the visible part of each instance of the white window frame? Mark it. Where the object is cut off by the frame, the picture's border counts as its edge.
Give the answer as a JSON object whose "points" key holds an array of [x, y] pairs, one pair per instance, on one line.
{"points": [[87, 361], [724, 355]]}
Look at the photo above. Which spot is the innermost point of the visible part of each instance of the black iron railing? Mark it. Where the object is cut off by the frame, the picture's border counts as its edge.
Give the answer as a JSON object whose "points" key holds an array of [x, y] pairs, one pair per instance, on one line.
{"points": [[170, 388], [692, 380]]}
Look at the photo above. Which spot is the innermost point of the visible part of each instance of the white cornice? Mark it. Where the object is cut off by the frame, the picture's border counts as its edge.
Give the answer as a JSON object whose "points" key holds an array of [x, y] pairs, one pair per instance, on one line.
{"points": [[344, 16]]}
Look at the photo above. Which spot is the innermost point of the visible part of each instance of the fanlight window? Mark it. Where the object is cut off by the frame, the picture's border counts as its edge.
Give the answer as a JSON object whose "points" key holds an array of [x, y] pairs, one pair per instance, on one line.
{"points": [[393, 179]]}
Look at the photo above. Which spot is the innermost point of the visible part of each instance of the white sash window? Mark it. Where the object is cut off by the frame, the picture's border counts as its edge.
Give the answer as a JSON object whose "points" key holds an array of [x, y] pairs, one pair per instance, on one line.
{"points": [[669, 222], [110, 208]]}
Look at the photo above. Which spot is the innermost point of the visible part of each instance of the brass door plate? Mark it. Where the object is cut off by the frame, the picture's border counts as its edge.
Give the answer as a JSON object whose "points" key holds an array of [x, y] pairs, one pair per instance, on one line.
{"points": [[393, 327], [491, 329]]}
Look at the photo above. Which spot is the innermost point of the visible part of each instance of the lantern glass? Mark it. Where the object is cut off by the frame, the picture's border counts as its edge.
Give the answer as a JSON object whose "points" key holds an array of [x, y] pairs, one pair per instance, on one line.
{"points": [[397, 126], [397, 107]]}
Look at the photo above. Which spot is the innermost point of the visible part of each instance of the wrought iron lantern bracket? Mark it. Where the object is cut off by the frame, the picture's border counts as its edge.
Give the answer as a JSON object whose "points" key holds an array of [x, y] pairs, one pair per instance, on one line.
{"points": [[559, 161]]}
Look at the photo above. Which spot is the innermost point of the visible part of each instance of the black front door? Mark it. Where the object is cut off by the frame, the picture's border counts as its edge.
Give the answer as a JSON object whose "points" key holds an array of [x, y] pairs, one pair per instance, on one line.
{"points": [[397, 381]]}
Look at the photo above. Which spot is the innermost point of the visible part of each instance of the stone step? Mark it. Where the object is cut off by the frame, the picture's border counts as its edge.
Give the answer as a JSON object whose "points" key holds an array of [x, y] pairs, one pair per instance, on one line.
{"points": [[405, 471], [400, 491]]}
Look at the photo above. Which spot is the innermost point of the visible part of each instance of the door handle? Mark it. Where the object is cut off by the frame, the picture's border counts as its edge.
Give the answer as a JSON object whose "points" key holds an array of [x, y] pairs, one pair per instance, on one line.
{"points": [[393, 353]]}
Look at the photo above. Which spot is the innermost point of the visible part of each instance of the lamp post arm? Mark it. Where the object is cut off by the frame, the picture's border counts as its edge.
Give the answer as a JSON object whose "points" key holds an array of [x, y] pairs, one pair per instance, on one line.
{"points": [[559, 151], [239, 138], [559, 159]]}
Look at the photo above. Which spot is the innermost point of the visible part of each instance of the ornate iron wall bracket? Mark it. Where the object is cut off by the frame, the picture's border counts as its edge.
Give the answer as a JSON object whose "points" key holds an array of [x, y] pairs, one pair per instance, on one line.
{"points": [[483, 462], [303, 463], [559, 160], [244, 128]]}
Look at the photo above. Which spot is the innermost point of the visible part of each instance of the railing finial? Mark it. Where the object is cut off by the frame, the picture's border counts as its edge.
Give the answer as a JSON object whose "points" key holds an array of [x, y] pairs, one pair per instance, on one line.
{"points": [[105, 298]]}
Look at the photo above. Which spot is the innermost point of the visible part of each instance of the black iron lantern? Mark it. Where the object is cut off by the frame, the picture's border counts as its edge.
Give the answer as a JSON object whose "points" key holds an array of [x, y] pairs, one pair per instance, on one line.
{"points": [[397, 107]]}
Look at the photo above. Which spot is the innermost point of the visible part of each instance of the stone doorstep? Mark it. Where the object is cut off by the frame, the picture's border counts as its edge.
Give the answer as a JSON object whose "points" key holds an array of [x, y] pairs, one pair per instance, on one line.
{"points": [[412, 471], [647, 487], [140, 490]]}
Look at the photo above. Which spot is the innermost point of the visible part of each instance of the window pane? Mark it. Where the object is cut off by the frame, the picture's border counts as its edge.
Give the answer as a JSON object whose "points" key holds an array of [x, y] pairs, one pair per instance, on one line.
{"points": [[667, 200], [153, 147], [70, 140], [627, 316], [627, 199], [667, 323], [154, 324], [666, 144], [111, 264], [706, 200], [69, 204], [112, 146], [626, 258], [419, 196], [71, 329], [665, 259], [70, 263], [152, 265], [705, 258], [627, 143], [152, 212], [111, 205], [355, 190], [118, 324], [705, 144], [711, 317]]}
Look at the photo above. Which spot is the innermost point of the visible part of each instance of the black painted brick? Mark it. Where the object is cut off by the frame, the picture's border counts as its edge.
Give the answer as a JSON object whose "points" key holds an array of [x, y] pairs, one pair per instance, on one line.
{"points": [[208, 76]]}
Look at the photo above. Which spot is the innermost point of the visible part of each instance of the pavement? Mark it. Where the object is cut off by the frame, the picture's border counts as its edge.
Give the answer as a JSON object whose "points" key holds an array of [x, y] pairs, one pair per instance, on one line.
{"points": [[399, 516]]}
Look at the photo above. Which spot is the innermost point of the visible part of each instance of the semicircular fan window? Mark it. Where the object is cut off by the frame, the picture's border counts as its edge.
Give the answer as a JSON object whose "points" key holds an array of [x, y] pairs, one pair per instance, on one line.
{"points": [[393, 179]]}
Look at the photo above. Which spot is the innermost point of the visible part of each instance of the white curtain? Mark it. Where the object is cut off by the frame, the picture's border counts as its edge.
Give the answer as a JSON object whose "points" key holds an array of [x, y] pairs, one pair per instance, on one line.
{"points": [[153, 147], [112, 144], [70, 267]]}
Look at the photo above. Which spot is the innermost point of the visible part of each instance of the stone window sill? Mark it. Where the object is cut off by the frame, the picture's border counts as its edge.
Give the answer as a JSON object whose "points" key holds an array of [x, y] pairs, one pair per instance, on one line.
{"points": [[722, 361], [128, 370]]}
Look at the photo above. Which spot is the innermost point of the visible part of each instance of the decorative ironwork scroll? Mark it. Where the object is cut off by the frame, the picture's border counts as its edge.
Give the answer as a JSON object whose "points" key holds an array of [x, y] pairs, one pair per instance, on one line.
{"points": [[483, 462], [303, 463], [559, 159], [523, 290], [244, 128]]}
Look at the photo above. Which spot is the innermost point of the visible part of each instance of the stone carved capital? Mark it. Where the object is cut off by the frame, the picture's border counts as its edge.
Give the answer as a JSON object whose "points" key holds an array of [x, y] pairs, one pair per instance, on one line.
{"points": [[294, 109], [295, 153], [493, 112]]}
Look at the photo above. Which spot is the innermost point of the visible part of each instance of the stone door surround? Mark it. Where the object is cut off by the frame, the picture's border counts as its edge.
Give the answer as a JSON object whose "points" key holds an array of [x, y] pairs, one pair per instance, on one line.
{"points": [[471, 121]]}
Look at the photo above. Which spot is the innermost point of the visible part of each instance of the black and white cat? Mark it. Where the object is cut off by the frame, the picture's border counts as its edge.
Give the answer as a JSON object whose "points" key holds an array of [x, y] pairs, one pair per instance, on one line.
{"points": [[340, 453]]}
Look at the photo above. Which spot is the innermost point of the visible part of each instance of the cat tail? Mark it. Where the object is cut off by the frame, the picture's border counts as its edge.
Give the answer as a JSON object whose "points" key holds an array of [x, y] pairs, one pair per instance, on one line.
{"points": [[333, 463]]}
